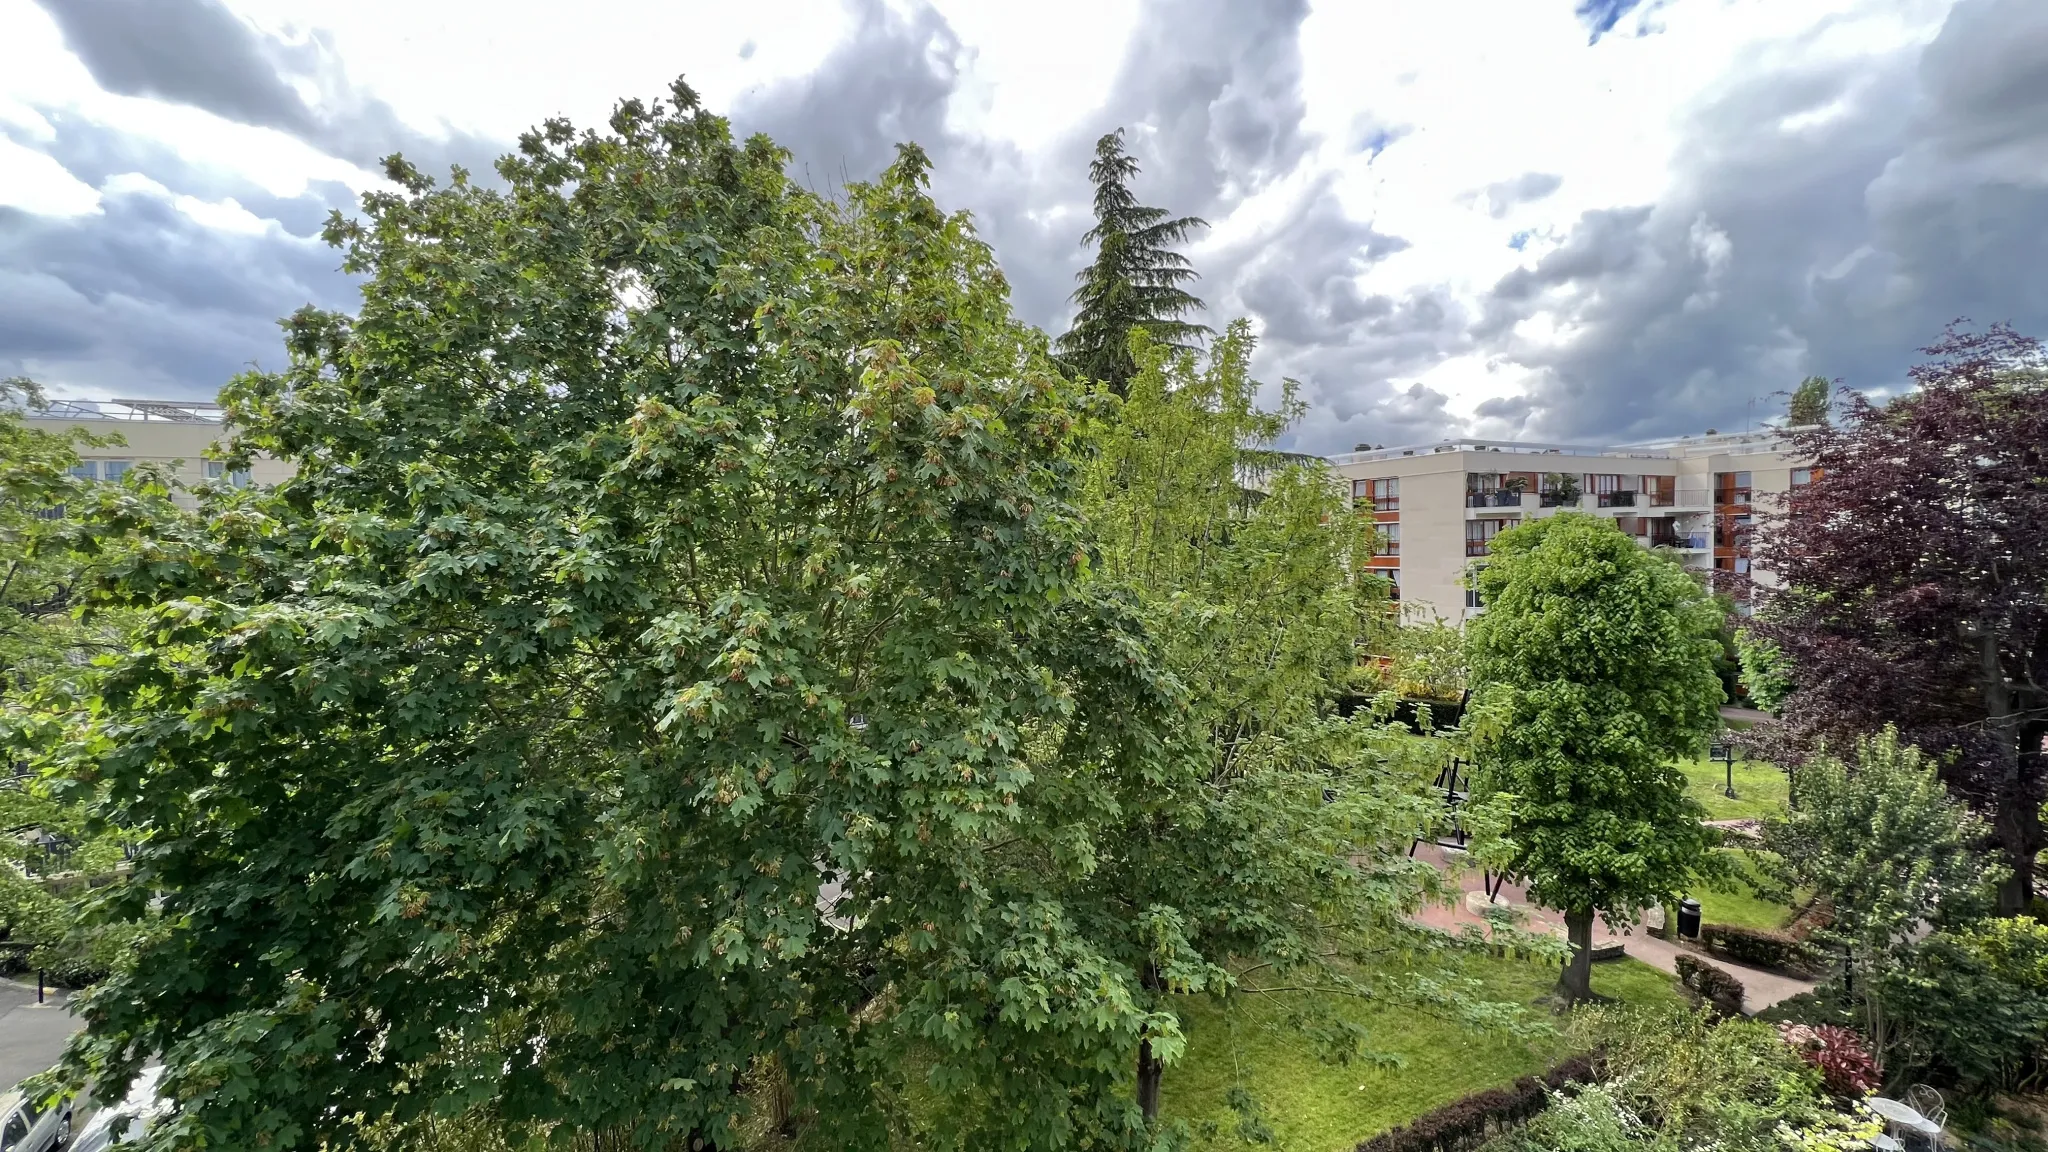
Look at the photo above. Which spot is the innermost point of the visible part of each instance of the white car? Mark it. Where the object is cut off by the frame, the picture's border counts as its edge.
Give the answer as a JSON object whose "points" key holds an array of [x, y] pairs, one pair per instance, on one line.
{"points": [[26, 1127], [125, 1122]]}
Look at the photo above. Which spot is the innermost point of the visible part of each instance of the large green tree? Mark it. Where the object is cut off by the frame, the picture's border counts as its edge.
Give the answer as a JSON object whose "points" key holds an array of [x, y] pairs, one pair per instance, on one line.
{"points": [[1137, 279], [1876, 835], [1593, 670], [674, 653], [1269, 849]]}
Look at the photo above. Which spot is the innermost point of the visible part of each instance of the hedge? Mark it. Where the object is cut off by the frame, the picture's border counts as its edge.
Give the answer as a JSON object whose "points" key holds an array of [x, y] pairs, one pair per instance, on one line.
{"points": [[1711, 984], [1758, 948], [1464, 1124]]}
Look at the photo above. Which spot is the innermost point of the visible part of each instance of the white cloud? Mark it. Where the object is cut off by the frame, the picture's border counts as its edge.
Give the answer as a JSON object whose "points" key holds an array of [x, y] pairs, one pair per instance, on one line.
{"points": [[35, 183]]}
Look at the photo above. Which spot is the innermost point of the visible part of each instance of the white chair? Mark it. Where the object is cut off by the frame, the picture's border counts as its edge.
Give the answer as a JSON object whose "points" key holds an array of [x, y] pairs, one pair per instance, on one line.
{"points": [[1926, 1101]]}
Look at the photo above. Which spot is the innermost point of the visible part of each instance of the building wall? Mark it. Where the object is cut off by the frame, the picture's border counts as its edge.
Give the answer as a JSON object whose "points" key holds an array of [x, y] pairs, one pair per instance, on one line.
{"points": [[178, 443], [1674, 503]]}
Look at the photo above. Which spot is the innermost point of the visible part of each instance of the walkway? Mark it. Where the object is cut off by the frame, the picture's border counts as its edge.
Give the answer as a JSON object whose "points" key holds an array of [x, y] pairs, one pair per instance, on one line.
{"points": [[1762, 988], [32, 1035]]}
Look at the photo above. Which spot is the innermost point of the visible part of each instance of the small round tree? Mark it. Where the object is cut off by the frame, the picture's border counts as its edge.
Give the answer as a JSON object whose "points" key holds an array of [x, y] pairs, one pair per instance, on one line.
{"points": [[1593, 670]]}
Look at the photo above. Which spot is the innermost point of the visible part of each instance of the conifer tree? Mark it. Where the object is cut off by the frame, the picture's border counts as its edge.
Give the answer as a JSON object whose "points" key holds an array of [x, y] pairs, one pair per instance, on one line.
{"points": [[1136, 279]]}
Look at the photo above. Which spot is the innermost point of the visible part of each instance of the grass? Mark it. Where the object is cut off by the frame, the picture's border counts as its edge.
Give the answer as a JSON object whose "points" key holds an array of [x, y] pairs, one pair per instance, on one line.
{"points": [[1313, 1106], [1759, 788], [1733, 903]]}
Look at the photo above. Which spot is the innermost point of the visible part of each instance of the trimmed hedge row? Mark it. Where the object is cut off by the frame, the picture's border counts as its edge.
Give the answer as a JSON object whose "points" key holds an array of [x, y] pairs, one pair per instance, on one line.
{"points": [[1711, 984], [1750, 946], [1466, 1123]]}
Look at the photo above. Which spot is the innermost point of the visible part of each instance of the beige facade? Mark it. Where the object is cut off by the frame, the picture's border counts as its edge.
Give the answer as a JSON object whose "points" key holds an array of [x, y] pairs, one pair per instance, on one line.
{"points": [[174, 433], [1439, 504]]}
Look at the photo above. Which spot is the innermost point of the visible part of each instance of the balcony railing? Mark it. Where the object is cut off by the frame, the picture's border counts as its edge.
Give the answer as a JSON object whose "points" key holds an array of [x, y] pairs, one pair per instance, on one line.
{"points": [[1731, 495], [1477, 547], [1495, 498], [1659, 499], [1617, 499], [1556, 500]]}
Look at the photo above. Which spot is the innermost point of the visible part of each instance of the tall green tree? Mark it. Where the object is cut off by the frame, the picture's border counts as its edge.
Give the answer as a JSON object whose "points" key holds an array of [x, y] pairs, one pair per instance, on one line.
{"points": [[1136, 280], [673, 653], [1270, 846], [1594, 668], [1877, 836], [1810, 402]]}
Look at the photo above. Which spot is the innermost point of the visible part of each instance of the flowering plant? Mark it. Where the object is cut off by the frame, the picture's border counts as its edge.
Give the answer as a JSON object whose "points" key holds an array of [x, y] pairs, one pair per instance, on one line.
{"points": [[1846, 1065]]}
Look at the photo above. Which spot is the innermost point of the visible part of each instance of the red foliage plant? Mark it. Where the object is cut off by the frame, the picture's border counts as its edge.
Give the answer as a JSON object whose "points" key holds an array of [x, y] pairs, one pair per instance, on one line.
{"points": [[1913, 580], [1846, 1066]]}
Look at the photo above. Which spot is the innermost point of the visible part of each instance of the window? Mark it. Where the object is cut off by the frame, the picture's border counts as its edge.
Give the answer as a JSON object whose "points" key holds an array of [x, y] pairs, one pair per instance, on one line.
{"points": [[1731, 487], [1393, 576], [1480, 533], [115, 469], [15, 1132], [1603, 484], [215, 470], [1384, 493], [86, 469], [1390, 540], [1801, 477]]}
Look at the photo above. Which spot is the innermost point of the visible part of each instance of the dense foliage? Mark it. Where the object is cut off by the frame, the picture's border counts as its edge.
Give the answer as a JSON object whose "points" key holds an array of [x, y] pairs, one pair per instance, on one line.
{"points": [[1678, 1080], [1137, 279], [1593, 668], [1915, 585], [1810, 402], [1270, 846], [1877, 838], [674, 651]]}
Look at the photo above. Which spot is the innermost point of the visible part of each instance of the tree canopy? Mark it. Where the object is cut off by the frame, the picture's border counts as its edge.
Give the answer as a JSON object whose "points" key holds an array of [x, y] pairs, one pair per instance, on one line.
{"points": [[675, 651], [1270, 848], [1593, 670], [1914, 588], [1810, 402], [1137, 279]]}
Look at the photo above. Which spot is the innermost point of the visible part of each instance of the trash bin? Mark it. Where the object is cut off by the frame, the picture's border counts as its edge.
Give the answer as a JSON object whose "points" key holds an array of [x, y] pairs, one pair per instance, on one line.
{"points": [[1689, 918]]}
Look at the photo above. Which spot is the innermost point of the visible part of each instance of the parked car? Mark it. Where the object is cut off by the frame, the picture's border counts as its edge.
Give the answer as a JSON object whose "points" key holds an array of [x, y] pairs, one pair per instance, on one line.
{"points": [[125, 1122], [25, 1126]]}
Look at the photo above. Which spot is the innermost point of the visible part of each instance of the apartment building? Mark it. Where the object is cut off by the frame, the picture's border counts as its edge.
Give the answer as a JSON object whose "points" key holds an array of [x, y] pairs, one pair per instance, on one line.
{"points": [[1439, 505], [172, 432]]}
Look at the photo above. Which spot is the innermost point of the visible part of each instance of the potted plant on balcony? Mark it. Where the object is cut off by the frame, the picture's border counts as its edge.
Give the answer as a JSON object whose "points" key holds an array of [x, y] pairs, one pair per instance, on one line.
{"points": [[1560, 489], [1515, 484]]}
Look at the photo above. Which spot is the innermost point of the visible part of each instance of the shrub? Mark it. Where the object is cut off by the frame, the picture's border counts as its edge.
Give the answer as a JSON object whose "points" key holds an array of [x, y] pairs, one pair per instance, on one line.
{"points": [[1756, 947], [1711, 984], [1470, 1121], [1972, 1004], [1846, 1066]]}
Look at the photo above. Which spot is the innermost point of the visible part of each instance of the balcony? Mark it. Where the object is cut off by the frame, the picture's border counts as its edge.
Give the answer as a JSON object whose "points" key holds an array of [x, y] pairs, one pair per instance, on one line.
{"points": [[1731, 495], [1494, 498], [1617, 499], [1556, 500]]}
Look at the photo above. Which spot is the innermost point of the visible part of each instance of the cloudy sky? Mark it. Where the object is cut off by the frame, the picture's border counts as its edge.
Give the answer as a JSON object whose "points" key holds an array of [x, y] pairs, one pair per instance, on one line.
{"points": [[1559, 219]]}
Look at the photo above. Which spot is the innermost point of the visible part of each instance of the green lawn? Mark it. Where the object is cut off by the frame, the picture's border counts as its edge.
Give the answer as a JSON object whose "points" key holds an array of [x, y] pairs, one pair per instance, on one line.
{"points": [[1314, 1106], [1734, 903], [1759, 788]]}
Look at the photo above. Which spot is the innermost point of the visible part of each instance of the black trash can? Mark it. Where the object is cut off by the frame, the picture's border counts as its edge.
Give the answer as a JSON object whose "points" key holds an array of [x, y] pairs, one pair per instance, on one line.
{"points": [[1689, 918]]}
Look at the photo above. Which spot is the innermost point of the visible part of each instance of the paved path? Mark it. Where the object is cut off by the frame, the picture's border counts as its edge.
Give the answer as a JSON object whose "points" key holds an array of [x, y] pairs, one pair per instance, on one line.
{"points": [[32, 1035], [1746, 715], [1761, 988]]}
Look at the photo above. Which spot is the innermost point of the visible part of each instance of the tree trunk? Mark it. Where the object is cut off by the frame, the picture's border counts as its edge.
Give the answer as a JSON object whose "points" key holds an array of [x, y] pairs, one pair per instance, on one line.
{"points": [[1575, 983], [2016, 815], [1149, 1067]]}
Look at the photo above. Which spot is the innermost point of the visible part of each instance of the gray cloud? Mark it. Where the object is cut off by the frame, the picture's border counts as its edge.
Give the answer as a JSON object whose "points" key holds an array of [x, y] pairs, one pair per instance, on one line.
{"points": [[198, 53], [1502, 196], [1827, 218], [139, 299], [1210, 95]]}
